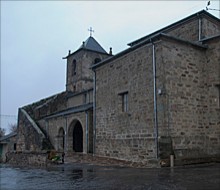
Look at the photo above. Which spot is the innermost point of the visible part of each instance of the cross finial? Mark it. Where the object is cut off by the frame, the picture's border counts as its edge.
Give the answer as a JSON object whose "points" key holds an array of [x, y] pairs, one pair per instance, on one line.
{"points": [[91, 30]]}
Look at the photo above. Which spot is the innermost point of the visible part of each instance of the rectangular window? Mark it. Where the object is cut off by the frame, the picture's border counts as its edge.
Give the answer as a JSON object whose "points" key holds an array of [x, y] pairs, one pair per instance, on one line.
{"points": [[124, 102]]}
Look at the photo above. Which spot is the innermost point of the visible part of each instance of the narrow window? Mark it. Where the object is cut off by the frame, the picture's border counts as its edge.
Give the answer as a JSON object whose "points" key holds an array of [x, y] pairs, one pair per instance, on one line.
{"points": [[124, 101], [15, 146]]}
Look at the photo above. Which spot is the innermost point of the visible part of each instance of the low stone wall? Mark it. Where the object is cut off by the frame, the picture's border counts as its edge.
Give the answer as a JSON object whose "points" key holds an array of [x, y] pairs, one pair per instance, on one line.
{"points": [[27, 158]]}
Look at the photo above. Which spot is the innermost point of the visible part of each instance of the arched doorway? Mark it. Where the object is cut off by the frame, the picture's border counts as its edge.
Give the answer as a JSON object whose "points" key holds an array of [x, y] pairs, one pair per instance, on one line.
{"points": [[78, 137], [61, 139]]}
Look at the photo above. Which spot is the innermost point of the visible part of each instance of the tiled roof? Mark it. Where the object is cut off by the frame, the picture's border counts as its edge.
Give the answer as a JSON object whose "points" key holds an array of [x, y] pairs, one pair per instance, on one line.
{"points": [[92, 44]]}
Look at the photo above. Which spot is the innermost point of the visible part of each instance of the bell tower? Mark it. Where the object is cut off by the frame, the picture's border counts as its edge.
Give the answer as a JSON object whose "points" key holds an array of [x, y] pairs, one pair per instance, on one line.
{"points": [[79, 76]]}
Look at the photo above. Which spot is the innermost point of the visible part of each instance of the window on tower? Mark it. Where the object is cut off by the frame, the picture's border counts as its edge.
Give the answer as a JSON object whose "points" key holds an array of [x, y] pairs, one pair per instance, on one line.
{"points": [[97, 60]]}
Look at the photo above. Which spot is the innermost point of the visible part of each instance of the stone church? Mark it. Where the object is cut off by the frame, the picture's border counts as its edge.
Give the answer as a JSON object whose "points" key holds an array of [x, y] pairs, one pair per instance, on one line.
{"points": [[159, 97]]}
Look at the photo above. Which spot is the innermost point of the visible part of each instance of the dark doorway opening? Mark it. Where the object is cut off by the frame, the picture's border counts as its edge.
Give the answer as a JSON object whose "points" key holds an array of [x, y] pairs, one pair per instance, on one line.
{"points": [[78, 137]]}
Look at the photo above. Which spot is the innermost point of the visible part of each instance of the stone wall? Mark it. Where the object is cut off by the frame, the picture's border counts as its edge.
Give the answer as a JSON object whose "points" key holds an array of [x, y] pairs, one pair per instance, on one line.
{"points": [[187, 31], [46, 106], [194, 28], [7, 145], [187, 100], [27, 158], [90, 133], [210, 27], [186, 108], [84, 97], [82, 79], [184, 66], [212, 111], [126, 135], [30, 137], [67, 123]]}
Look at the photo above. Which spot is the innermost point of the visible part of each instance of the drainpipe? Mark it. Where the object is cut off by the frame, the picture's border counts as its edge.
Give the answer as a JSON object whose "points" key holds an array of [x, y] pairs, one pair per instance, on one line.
{"points": [[86, 131], [155, 99], [94, 112]]}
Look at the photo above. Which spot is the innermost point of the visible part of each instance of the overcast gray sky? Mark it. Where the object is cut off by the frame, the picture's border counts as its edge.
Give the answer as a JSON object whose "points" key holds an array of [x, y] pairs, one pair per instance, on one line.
{"points": [[35, 35]]}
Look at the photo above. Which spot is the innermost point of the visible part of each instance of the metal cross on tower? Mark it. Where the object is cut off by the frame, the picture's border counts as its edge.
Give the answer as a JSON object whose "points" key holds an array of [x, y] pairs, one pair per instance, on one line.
{"points": [[91, 30]]}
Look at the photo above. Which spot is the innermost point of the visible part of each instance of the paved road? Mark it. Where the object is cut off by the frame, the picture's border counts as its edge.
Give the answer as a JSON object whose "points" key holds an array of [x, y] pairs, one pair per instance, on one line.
{"points": [[85, 176]]}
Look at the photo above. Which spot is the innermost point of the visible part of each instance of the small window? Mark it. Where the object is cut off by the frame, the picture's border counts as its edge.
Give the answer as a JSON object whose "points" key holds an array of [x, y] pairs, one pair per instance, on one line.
{"points": [[74, 67], [15, 146], [124, 99]]}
